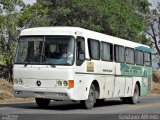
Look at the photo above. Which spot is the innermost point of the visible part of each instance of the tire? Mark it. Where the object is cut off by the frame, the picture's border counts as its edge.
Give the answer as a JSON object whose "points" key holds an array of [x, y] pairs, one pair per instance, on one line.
{"points": [[135, 98], [89, 103], [42, 103]]}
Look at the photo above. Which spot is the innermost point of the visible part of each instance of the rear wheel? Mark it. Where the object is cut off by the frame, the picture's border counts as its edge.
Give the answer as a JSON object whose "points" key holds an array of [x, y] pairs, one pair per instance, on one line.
{"points": [[89, 103], [134, 99], [42, 103]]}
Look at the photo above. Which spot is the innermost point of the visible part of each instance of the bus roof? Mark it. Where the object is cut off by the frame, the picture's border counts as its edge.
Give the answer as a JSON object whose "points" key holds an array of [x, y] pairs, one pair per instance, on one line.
{"points": [[77, 31]]}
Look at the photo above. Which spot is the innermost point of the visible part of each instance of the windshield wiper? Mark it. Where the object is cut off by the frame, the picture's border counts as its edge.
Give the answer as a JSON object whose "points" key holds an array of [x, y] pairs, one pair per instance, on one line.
{"points": [[25, 65], [53, 66]]}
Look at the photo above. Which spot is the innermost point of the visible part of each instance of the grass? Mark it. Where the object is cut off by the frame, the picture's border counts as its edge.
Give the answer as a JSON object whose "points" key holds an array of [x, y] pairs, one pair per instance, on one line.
{"points": [[5, 90], [5, 85], [155, 88]]}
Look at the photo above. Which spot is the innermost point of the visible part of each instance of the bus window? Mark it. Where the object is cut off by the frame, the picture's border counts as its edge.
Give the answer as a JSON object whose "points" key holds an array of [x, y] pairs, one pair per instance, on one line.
{"points": [[29, 50], [94, 49], [147, 59], [139, 57], [129, 55], [59, 50], [80, 50], [107, 51], [119, 53]]}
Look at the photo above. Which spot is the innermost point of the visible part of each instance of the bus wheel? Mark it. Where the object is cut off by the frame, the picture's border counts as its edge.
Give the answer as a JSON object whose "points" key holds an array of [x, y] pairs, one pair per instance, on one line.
{"points": [[42, 103], [135, 97], [89, 103]]}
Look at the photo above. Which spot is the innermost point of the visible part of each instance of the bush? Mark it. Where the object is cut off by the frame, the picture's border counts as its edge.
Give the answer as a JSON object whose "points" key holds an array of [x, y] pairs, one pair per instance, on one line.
{"points": [[5, 73], [156, 76]]}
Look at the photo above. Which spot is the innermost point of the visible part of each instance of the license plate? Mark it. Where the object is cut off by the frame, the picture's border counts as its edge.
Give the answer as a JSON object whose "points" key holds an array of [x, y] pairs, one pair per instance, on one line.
{"points": [[39, 94]]}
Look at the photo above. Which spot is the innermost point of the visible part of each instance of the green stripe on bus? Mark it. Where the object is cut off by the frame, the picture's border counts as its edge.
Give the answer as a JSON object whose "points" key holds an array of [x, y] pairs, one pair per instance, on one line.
{"points": [[135, 70]]}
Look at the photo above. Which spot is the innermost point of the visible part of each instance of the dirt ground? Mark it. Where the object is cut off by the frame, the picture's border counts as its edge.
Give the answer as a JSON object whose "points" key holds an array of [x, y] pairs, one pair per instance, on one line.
{"points": [[6, 95]]}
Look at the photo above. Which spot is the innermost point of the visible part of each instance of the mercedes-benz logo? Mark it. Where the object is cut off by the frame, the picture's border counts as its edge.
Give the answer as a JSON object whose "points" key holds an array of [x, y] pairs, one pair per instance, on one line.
{"points": [[38, 83]]}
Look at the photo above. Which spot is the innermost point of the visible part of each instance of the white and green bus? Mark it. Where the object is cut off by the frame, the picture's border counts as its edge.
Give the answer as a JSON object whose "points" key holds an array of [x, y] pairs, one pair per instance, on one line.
{"points": [[72, 63]]}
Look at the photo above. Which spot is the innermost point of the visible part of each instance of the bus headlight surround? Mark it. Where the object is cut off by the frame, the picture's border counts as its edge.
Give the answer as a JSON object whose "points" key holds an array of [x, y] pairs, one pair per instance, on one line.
{"points": [[65, 83]]}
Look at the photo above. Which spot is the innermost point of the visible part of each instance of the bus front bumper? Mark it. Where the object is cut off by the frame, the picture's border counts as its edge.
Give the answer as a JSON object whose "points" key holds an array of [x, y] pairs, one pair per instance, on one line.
{"points": [[47, 93]]}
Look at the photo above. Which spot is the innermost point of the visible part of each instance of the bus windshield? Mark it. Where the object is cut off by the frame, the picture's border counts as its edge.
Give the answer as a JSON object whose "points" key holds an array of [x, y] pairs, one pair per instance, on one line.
{"points": [[49, 50]]}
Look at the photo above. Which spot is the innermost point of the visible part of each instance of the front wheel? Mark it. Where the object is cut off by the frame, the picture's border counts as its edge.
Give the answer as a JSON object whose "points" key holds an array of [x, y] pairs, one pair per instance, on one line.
{"points": [[89, 103], [42, 103], [134, 99]]}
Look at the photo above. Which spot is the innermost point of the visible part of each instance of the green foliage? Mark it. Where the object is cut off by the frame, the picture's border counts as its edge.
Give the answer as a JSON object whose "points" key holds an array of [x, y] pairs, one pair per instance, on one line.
{"points": [[8, 29], [32, 16], [15, 16], [120, 18]]}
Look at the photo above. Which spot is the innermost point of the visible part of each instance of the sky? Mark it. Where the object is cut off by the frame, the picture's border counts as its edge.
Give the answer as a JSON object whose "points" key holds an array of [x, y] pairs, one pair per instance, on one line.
{"points": [[154, 2], [29, 1]]}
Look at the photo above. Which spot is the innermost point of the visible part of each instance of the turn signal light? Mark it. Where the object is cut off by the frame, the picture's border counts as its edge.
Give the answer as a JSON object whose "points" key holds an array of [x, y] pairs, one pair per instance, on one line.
{"points": [[71, 83]]}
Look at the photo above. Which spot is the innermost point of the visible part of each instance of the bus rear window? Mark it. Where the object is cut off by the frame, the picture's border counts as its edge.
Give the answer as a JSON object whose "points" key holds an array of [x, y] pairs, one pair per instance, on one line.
{"points": [[147, 59]]}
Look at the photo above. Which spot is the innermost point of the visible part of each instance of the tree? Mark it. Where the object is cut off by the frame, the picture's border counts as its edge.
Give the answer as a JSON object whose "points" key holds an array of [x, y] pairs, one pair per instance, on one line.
{"points": [[8, 29], [119, 18], [153, 31], [15, 16], [32, 16]]}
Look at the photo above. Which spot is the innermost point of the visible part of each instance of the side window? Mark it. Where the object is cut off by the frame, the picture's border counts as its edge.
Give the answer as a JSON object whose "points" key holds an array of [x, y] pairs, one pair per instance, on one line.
{"points": [[139, 57], [129, 55], [94, 49], [80, 50], [107, 51], [147, 59], [119, 53]]}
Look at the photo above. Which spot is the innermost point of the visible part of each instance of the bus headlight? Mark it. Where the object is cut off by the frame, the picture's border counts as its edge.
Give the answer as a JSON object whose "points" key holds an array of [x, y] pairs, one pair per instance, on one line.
{"points": [[15, 81], [18, 81], [59, 83], [65, 83]]}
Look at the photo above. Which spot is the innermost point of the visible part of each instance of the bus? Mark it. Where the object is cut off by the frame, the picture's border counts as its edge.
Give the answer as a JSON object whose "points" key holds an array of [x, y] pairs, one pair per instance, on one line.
{"points": [[72, 63]]}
